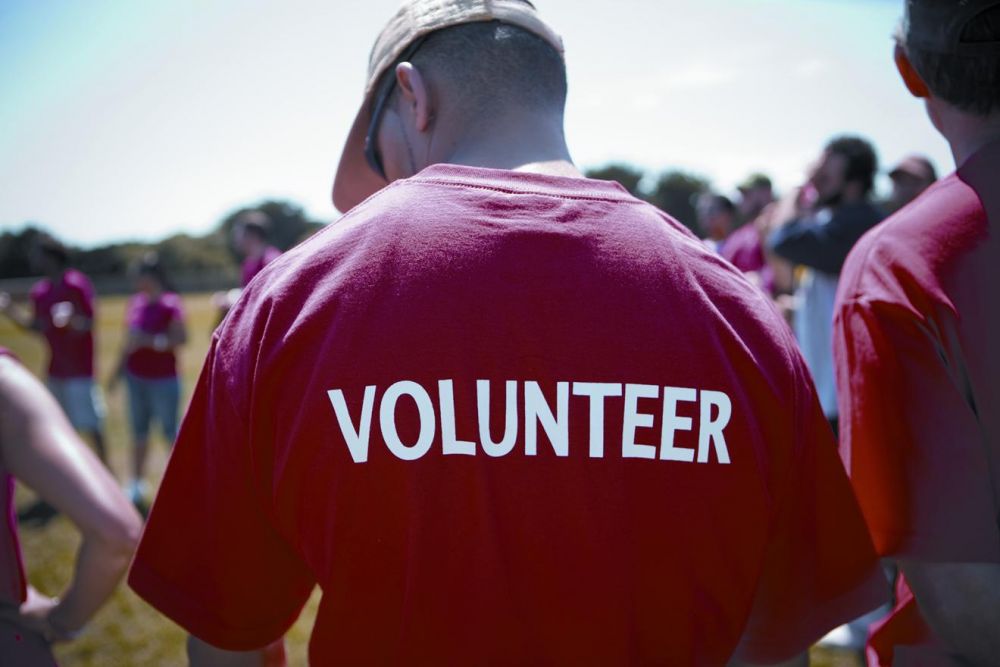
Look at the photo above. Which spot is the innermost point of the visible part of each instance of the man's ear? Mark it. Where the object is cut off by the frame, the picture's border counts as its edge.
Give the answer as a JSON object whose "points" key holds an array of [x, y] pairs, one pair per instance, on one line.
{"points": [[414, 94], [913, 82]]}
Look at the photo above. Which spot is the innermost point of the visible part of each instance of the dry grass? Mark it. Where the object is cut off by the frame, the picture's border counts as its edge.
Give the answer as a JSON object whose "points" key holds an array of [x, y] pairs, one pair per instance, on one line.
{"points": [[127, 631]]}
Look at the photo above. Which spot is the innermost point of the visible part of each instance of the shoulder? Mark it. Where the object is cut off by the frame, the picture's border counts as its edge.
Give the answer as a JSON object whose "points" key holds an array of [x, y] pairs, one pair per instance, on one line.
{"points": [[172, 301], [40, 289], [78, 279], [908, 249]]}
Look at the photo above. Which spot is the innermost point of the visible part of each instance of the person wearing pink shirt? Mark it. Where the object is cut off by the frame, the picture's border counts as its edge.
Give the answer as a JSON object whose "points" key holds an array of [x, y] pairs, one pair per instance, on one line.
{"points": [[63, 311], [251, 236], [155, 330]]}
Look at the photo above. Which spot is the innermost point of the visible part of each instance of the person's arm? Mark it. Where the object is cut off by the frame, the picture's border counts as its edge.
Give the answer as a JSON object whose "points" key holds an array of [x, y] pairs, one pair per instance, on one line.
{"points": [[19, 316], [961, 603], [118, 370], [823, 247], [174, 337], [42, 450], [201, 654]]}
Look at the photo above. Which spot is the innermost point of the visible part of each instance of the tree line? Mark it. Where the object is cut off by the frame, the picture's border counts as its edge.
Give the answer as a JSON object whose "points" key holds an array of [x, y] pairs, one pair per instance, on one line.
{"points": [[674, 191], [181, 254]]}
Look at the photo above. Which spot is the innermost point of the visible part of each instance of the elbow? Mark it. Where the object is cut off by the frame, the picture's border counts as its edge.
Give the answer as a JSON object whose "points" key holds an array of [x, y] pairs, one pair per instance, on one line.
{"points": [[120, 535]]}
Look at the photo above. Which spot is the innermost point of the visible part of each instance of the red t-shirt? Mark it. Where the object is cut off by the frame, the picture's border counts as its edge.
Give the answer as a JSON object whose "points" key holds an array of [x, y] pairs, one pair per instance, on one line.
{"points": [[153, 317], [916, 340], [507, 417], [56, 303], [254, 265]]}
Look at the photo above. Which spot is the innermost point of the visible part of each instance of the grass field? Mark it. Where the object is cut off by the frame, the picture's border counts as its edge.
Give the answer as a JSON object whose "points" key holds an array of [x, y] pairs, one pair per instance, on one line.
{"points": [[127, 631]]}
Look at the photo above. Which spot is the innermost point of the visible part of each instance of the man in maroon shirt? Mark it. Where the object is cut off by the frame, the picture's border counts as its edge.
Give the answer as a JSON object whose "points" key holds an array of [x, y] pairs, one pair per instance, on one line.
{"points": [[63, 313], [499, 412], [916, 342]]}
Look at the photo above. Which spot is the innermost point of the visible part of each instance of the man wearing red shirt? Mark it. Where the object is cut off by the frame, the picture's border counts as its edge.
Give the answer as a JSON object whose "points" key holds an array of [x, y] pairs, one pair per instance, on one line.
{"points": [[917, 327], [63, 313], [499, 412]]}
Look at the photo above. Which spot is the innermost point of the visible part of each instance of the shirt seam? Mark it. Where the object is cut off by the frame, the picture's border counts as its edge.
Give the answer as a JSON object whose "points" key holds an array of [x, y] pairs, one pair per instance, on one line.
{"points": [[524, 191]]}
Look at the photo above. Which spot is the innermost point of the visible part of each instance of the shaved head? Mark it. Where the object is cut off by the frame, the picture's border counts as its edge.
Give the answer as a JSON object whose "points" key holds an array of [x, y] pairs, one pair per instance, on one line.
{"points": [[489, 68]]}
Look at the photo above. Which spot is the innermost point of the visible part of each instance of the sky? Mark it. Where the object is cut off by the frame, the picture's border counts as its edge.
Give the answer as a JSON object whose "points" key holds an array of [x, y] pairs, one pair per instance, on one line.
{"points": [[137, 119]]}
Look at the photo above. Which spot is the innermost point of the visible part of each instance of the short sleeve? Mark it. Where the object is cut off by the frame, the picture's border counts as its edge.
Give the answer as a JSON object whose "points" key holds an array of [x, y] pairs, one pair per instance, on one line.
{"points": [[912, 443], [820, 569], [209, 557], [86, 291]]}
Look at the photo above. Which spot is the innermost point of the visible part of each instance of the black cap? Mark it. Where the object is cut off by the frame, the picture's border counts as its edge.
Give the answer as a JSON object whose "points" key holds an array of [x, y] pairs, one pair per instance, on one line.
{"points": [[937, 26]]}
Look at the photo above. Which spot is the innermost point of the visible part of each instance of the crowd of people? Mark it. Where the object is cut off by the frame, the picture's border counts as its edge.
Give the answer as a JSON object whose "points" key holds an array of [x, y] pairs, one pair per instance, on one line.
{"points": [[500, 412]]}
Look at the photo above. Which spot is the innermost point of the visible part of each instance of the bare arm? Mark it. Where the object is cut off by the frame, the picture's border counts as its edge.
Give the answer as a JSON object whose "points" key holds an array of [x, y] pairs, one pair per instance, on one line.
{"points": [[961, 603], [42, 450]]}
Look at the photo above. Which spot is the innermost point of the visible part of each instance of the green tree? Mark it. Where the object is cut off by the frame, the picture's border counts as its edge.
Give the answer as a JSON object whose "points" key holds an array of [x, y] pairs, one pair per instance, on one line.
{"points": [[627, 175], [676, 192]]}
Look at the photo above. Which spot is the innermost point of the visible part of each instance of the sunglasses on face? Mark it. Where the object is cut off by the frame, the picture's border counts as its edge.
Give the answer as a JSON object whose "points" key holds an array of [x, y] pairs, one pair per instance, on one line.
{"points": [[372, 155]]}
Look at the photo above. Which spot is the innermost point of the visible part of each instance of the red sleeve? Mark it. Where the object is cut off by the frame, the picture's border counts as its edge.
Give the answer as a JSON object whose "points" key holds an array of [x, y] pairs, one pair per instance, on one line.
{"points": [[916, 453], [210, 558], [820, 569], [86, 290]]}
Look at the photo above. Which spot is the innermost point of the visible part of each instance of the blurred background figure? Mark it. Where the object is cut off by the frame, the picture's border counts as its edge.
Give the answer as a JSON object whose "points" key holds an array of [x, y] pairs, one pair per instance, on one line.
{"points": [[62, 312], [756, 194], [744, 248], [39, 448], [251, 237], [716, 219], [155, 331], [815, 227], [910, 178]]}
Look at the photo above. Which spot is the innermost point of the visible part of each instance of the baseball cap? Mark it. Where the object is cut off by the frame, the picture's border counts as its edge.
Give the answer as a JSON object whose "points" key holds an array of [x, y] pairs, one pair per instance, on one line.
{"points": [[355, 179], [916, 166], [937, 26], [754, 181]]}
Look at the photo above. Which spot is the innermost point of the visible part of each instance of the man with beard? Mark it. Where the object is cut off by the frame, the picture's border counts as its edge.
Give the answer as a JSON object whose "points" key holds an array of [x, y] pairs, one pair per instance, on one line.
{"points": [[817, 225]]}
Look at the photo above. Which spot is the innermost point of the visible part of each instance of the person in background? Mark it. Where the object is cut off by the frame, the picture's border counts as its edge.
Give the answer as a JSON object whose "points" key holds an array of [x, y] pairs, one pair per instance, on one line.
{"points": [[39, 448], [744, 248], [716, 219], [815, 227], [252, 238], [910, 178], [916, 343], [538, 519], [251, 234], [155, 330], [63, 312]]}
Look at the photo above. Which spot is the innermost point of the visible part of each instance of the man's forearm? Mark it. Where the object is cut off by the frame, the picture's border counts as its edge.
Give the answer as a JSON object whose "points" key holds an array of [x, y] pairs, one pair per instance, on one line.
{"points": [[961, 603]]}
